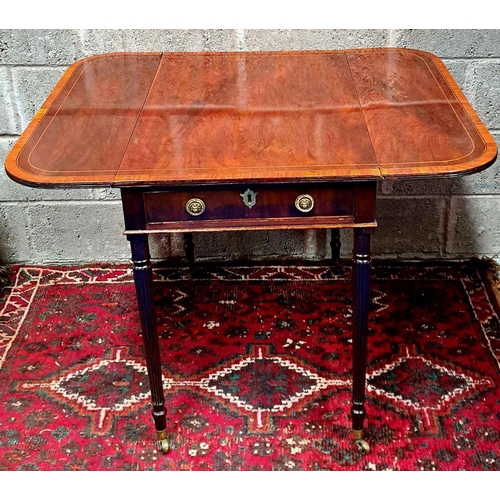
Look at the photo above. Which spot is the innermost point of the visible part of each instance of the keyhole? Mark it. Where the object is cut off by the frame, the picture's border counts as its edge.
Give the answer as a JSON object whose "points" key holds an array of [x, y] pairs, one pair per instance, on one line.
{"points": [[249, 198]]}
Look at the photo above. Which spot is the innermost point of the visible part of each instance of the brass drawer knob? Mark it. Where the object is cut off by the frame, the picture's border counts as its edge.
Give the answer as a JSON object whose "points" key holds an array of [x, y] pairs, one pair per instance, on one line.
{"points": [[304, 202], [195, 206]]}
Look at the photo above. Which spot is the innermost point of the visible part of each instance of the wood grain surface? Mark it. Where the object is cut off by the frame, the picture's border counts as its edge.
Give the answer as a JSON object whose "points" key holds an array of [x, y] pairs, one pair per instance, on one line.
{"points": [[147, 119]]}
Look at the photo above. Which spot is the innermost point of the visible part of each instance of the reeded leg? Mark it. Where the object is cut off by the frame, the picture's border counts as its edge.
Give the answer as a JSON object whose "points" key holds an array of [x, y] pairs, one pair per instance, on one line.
{"points": [[143, 285], [361, 306], [335, 246]]}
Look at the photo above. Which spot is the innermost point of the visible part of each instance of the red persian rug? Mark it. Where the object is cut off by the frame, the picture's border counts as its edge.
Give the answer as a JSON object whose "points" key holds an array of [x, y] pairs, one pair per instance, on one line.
{"points": [[256, 365]]}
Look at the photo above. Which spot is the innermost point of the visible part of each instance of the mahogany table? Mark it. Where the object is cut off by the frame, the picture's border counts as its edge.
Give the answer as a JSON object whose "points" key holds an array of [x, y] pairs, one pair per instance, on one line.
{"points": [[248, 141]]}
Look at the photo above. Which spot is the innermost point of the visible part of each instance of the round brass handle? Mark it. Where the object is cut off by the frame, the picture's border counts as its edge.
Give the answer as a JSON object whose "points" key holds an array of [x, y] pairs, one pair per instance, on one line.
{"points": [[304, 202], [195, 206]]}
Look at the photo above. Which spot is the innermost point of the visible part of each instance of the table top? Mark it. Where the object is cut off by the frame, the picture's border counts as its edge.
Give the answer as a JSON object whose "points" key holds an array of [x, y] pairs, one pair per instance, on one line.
{"points": [[136, 119]]}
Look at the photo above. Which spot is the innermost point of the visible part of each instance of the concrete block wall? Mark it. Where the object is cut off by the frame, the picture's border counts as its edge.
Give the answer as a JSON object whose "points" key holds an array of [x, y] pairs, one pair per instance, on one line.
{"points": [[450, 218]]}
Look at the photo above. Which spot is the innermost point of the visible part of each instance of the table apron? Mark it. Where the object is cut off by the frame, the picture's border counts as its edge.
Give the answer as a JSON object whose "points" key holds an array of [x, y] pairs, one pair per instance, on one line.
{"points": [[249, 207]]}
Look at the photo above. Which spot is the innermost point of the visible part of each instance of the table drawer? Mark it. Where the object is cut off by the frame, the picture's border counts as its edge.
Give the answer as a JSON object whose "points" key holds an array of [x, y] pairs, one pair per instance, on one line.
{"points": [[249, 207], [247, 203]]}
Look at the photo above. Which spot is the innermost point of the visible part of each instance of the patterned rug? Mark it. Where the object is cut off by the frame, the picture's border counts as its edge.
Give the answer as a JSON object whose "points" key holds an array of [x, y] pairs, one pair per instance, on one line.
{"points": [[256, 366]]}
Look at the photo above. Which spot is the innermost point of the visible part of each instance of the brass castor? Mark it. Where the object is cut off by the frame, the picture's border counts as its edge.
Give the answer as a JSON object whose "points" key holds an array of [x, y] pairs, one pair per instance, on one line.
{"points": [[361, 444], [162, 443]]}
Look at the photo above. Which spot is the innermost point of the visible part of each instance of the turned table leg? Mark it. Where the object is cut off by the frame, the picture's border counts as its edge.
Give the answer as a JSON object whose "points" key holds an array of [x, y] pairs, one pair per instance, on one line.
{"points": [[189, 249], [144, 285], [335, 246], [361, 306]]}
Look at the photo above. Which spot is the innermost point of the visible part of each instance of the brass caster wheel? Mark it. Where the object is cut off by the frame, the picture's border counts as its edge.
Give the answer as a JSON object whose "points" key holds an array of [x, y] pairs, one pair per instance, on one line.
{"points": [[360, 443], [362, 446], [162, 443]]}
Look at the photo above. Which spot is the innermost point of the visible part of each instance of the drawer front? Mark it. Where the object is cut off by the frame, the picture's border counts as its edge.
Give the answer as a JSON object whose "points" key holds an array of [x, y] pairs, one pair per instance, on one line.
{"points": [[254, 202]]}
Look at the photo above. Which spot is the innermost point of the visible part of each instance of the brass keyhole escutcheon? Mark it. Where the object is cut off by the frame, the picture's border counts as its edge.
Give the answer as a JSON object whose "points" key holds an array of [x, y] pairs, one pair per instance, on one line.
{"points": [[195, 206], [249, 198], [304, 203]]}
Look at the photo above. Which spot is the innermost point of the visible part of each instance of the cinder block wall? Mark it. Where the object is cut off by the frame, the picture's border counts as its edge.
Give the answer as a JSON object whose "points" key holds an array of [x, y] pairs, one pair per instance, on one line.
{"points": [[451, 218]]}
